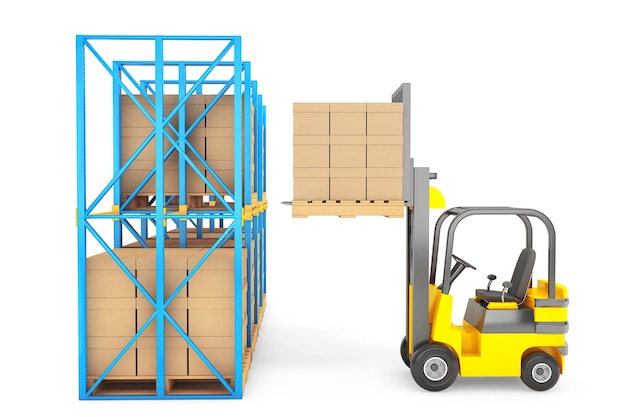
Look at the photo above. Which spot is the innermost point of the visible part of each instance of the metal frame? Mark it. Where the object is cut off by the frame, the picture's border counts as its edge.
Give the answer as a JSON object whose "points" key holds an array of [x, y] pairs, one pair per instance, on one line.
{"points": [[243, 218]]}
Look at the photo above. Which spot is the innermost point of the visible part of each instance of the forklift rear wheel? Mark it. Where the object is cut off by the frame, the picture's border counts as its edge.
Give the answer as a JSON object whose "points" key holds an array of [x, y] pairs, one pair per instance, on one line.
{"points": [[540, 371], [404, 352], [434, 367]]}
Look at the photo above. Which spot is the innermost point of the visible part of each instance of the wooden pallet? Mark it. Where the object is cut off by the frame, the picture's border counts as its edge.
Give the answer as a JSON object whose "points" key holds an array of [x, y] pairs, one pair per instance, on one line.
{"points": [[347, 209]]}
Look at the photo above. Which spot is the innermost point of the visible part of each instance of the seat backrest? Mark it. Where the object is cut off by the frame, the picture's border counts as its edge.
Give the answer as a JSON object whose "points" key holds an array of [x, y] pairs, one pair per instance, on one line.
{"points": [[522, 274]]}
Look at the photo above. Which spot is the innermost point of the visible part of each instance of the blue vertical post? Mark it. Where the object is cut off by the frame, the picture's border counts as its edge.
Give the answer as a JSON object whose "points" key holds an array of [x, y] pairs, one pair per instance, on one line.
{"points": [[182, 178], [80, 216], [263, 147], [117, 154], [160, 221], [247, 167], [238, 219]]}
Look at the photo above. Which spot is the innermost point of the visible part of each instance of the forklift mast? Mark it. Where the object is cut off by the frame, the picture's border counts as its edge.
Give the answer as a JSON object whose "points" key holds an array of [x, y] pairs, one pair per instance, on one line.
{"points": [[416, 194]]}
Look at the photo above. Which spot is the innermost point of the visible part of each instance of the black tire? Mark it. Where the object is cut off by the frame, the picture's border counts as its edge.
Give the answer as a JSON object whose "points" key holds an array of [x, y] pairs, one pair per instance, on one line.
{"points": [[540, 371], [434, 367], [404, 353]]}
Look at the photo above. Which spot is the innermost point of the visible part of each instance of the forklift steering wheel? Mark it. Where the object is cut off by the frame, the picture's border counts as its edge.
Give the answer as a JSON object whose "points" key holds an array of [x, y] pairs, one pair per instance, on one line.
{"points": [[457, 269], [462, 262]]}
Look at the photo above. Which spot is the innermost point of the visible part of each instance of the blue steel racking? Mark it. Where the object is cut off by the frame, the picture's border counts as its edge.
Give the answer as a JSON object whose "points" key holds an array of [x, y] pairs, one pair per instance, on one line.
{"points": [[240, 215]]}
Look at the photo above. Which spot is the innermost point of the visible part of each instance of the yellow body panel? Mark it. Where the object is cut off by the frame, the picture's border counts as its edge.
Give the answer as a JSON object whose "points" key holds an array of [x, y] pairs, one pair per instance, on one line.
{"points": [[551, 314], [508, 305], [488, 354]]}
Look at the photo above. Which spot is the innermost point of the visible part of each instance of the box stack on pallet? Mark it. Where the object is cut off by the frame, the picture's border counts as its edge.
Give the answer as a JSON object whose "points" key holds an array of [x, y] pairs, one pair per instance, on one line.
{"points": [[210, 138], [348, 159], [171, 302]]}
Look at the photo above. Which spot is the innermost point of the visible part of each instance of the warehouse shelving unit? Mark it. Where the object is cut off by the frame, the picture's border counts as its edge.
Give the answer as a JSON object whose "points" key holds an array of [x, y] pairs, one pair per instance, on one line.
{"points": [[144, 70]]}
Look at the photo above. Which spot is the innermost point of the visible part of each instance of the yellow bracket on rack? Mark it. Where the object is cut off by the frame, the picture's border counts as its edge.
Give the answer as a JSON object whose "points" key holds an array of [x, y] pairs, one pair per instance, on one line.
{"points": [[182, 209], [248, 212]]}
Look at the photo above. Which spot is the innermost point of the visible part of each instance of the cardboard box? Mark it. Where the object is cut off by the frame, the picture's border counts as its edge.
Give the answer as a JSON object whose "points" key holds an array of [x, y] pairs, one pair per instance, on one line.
{"points": [[311, 156], [385, 124], [138, 170], [348, 156], [311, 107], [348, 184], [219, 351], [211, 316], [384, 107], [105, 278], [384, 184], [225, 170], [384, 156], [102, 351], [311, 124], [311, 184], [133, 116], [111, 317], [348, 107], [348, 123], [175, 356], [215, 277]]}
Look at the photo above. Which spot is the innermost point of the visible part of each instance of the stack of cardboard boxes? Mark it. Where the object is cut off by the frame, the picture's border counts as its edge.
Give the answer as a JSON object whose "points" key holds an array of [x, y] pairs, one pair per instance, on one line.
{"points": [[211, 137], [347, 151], [202, 309]]}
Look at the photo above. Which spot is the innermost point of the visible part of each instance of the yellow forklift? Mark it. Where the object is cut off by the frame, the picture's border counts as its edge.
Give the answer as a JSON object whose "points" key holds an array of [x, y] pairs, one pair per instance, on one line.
{"points": [[518, 331]]}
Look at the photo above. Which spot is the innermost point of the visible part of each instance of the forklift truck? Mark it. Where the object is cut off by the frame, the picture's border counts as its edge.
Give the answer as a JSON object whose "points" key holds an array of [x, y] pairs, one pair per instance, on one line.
{"points": [[516, 332]]}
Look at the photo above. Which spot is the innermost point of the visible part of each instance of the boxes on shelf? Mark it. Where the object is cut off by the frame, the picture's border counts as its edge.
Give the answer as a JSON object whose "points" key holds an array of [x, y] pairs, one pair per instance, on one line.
{"points": [[203, 309], [210, 139]]}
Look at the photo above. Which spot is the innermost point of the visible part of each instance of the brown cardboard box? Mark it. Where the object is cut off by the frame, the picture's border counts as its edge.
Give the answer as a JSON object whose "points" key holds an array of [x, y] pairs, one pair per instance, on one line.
{"points": [[102, 351], [385, 107], [384, 124], [384, 156], [384, 184], [215, 277], [175, 356], [310, 156], [347, 184], [138, 170], [311, 184], [106, 279], [348, 123], [133, 138], [220, 351], [211, 316], [311, 124], [133, 116], [348, 156], [225, 170], [348, 107], [311, 151], [311, 107], [111, 317], [220, 149]]}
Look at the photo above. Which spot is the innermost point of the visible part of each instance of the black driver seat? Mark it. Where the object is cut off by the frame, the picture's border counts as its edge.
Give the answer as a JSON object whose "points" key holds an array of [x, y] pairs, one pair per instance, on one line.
{"points": [[520, 281]]}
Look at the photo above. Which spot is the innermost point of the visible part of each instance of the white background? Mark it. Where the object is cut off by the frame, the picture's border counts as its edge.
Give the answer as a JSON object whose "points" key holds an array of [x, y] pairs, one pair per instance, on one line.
{"points": [[513, 103]]}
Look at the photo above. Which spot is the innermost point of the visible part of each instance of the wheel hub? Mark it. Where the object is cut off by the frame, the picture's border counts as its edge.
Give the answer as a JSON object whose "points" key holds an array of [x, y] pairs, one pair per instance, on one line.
{"points": [[541, 373], [435, 369]]}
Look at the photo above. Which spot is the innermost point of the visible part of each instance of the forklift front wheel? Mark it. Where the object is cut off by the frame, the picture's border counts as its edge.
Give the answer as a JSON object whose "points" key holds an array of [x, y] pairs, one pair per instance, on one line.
{"points": [[540, 371], [404, 352], [434, 367]]}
